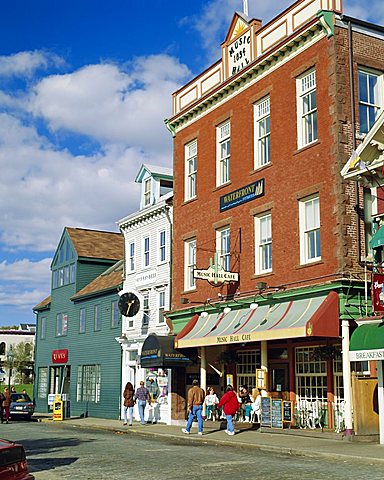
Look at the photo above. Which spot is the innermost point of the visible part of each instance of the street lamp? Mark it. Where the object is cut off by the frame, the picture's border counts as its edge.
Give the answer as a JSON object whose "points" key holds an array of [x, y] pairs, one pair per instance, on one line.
{"points": [[10, 357]]}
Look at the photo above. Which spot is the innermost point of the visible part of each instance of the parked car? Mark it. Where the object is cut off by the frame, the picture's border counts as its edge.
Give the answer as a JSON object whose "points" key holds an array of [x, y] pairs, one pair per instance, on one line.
{"points": [[13, 464], [21, 406]]}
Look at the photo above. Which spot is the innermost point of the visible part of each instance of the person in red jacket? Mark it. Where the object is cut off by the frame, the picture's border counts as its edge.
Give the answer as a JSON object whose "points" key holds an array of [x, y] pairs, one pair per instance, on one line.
{"points": [[230, 406]]}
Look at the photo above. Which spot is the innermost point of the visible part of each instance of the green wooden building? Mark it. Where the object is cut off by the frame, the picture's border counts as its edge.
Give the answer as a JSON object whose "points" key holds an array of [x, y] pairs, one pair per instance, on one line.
{"points": [[76, 352]]}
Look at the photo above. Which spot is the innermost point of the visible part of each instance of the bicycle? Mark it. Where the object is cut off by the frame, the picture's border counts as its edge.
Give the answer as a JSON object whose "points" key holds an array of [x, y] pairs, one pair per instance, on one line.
{"points": [[338, 416], [309, 414]]}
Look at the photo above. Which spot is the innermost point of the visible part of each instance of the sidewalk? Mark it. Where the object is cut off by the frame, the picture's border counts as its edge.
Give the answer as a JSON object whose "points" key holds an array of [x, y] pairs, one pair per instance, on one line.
{"points": [[306, 443]]}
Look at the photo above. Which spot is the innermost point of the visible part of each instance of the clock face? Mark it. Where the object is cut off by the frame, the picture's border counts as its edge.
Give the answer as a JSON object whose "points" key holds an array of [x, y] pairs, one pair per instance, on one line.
{"points": [[129, 304]]}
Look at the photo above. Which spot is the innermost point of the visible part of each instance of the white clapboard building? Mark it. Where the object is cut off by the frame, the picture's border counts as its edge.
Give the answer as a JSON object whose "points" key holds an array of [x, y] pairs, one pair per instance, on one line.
{"points": [[146, 289]]}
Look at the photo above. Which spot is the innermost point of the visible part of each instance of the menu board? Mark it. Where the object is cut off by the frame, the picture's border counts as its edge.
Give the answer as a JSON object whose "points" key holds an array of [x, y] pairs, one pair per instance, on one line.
{"points": [[277, 413], [287, 411], [265, 412]]}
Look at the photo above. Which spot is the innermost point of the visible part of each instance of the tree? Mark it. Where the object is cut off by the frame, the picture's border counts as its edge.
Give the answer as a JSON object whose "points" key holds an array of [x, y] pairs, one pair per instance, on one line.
{"points": [[22, 364]]}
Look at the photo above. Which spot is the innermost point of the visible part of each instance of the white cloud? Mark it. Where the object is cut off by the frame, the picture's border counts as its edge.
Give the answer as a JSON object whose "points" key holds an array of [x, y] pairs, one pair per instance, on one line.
{"points": [[111, 105], [24, 64], [25, 270], [24, 282]]}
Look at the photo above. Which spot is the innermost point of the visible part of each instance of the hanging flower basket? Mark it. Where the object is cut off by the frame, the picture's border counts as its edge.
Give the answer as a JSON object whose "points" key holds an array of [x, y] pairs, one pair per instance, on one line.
{"points": [[228, 356], [326, 352]]}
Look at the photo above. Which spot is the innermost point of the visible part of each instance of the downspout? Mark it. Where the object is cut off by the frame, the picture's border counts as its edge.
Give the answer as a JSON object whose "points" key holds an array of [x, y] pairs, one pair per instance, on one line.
{"points": [[353, 124], [345, 333], [166, 209]]}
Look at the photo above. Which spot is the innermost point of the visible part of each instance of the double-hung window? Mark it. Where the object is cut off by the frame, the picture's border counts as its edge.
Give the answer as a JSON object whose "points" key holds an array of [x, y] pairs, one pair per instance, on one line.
{"points": [[189, 264], [161, 306], [147, 192], [263, 250], [190, 170], [223, 155], [223, 247], [309, 217], [146, 257], [146, 311], [262, 132], [82, 320], [307, 109], [43, 328], [88, 383], [162, 246], [115, 314], [97, 324], [131, 258], [370, 98], [61, 324]]}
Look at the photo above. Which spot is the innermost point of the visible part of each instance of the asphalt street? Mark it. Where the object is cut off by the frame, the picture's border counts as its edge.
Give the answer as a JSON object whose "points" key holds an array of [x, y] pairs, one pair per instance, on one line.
{"points": [[67, 451]]}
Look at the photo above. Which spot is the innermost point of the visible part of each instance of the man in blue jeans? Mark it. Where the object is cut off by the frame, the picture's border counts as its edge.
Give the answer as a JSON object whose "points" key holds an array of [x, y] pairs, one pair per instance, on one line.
{"points": [[142, 396], [195, 407]]}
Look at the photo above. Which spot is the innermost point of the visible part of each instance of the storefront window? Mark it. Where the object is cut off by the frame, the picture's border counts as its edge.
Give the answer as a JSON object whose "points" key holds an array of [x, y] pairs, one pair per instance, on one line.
{"points": [[249, 360], [311, 375], [42, 387]]}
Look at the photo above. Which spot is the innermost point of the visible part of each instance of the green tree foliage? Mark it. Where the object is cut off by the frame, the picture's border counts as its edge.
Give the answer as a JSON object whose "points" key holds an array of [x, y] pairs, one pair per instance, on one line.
{"points": [[22, 364]]}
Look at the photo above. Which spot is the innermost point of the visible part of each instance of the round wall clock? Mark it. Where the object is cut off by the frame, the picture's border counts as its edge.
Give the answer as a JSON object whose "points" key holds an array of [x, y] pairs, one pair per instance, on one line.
{"points": [[129, 304]]}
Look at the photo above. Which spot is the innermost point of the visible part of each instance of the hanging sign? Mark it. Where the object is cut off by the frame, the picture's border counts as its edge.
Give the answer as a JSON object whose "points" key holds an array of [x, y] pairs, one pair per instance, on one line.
{"points": [[378, 292], [215, 273], [60, 356]]}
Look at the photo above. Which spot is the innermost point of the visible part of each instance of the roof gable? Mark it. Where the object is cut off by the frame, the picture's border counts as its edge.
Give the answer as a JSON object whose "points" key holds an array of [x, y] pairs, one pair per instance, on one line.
{"points": [[153, 171]]}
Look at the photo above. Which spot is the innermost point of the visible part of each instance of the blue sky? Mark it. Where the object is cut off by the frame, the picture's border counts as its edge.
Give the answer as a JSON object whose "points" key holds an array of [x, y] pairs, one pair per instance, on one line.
{"points": [[84, 89]]}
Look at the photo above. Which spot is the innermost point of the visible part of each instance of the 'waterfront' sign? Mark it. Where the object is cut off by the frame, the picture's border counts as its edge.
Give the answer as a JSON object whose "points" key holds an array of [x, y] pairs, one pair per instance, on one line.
{"points": [[242, 195]]}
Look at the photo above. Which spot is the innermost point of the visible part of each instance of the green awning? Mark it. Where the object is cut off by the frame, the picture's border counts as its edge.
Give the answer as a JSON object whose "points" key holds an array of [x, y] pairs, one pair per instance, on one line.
{"points": [[367, 342], [377, 239]]}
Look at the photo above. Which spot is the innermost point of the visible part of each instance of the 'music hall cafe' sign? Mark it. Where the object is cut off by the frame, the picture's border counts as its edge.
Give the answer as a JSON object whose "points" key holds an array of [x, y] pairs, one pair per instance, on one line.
{"points": [[215, 273]]}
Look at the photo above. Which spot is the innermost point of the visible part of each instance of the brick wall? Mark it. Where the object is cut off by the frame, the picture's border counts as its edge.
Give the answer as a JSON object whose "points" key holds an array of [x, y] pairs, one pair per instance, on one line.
{"points": [[292, 175]]}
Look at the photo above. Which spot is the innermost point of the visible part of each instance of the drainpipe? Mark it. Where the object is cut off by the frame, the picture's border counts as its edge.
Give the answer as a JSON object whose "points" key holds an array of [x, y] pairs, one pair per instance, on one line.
{"points": [[203, 369], [167, 209], [345, 323]]}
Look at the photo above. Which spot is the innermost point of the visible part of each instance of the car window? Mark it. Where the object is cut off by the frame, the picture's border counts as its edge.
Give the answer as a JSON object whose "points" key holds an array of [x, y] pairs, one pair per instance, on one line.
{"points": [[20, 397]]}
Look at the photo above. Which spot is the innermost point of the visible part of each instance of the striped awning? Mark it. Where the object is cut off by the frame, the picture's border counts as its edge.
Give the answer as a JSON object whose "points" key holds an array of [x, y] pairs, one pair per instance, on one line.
{"points": [[309, 317]]}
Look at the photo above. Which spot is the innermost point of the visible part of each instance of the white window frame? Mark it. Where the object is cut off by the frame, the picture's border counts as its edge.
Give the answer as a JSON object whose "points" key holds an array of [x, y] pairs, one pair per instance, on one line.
{"points": [[82, 320], [262, 132], [43, 328], [131, 256], [147, 192], [375, 104], [146, 252], [88, 383], [42, 385], [311, 375], [307, 118], [61, 324], [115, 314], [223, 153], [309, 229], [223, 247], [162, 306], [146, 310], [97, 324], [263, 243], [162, 246], [189, 264], [190, 170]]}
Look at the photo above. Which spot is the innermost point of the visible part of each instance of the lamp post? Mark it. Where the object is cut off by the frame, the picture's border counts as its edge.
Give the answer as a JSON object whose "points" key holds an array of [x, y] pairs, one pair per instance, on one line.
{"points": [[10, 357]]}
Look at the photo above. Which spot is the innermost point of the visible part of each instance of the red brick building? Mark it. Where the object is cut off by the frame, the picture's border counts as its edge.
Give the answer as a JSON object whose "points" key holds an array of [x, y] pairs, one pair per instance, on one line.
{"points": [[270, 245]]}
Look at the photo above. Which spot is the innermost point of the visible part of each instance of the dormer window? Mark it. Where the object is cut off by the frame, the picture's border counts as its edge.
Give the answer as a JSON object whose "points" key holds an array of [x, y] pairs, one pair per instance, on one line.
{"points": [[147, 192]]}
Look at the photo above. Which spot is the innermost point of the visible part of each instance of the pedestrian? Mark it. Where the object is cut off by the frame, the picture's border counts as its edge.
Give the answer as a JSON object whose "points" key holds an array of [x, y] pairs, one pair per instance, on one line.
{"points": [[13, 389], [256, 405], [211, 401], [1, 407], [142, 396], [129, 403], [230, 405], [195, 407], [6, 404], [246, 404]]}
